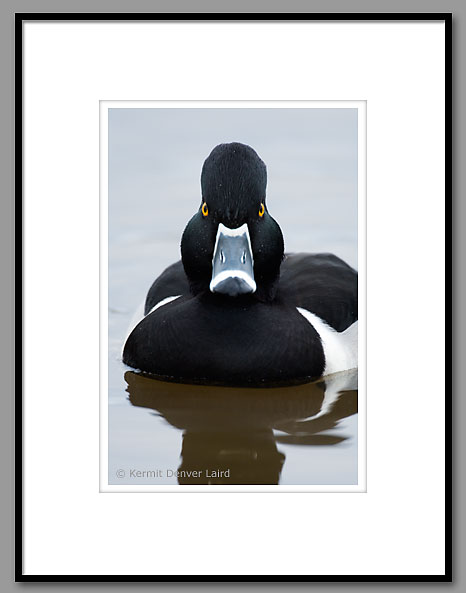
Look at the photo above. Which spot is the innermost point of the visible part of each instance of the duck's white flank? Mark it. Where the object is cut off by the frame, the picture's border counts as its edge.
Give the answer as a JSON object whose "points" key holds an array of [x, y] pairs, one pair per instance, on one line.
{"points": [[340, 348], [163, 302]]}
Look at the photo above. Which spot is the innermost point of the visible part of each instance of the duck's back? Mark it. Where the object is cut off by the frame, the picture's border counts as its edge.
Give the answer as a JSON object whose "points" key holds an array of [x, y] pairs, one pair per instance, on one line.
{"points": [[323, 284]]}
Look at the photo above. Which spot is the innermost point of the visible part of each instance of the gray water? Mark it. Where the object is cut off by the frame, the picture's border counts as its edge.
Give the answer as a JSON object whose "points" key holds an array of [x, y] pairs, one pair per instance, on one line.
{"points": [[295, 435]]}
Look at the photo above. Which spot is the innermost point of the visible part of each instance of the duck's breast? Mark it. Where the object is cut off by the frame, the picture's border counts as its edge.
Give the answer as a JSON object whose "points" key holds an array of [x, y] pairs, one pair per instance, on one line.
{"points": [[219, 340]]}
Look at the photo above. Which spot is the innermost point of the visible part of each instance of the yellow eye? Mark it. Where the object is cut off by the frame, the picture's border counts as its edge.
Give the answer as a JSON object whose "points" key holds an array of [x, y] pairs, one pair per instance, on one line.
{"points": [[261, 210], [205, 210]]}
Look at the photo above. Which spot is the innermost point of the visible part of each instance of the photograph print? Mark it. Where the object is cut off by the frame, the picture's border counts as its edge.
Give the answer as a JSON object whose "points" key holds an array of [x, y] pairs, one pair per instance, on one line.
{"points": [[233, 295]]}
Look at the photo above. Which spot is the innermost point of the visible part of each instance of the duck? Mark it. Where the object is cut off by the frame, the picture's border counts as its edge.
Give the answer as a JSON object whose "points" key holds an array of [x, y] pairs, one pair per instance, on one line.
{"points": [[236, 310]]}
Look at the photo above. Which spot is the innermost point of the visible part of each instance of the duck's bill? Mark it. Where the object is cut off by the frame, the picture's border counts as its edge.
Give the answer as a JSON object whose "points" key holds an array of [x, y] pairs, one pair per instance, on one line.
{"points": [[232, 263]]}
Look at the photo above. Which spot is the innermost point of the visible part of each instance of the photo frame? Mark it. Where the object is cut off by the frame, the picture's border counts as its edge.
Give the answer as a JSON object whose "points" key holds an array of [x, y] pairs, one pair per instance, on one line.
{"points": [[51, 245], [336, 129]]}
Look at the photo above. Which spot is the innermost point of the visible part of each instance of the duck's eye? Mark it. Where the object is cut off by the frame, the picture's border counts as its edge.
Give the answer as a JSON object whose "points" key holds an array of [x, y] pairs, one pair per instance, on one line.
{"points": [[262, 210], [205, 210]]}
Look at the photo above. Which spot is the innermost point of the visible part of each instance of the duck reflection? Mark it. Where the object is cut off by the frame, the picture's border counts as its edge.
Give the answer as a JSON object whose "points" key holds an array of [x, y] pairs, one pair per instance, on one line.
{"points": [[230, 435]]}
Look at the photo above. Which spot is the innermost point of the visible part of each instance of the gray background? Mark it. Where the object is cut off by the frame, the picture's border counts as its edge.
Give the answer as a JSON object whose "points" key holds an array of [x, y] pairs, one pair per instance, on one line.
{"points": [[7, 8]]}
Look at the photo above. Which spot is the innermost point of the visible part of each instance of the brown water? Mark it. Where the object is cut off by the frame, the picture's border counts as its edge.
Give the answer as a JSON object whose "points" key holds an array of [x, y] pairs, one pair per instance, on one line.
{"points": [[295, 435]]}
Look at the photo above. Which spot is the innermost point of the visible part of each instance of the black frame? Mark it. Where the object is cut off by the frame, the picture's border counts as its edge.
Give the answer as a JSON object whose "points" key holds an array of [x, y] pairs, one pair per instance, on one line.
{"points": [[99, 16]]}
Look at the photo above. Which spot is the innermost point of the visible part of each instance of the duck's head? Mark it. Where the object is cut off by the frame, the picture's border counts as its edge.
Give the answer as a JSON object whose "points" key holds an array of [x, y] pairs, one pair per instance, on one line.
{"points": [[232, 246]]}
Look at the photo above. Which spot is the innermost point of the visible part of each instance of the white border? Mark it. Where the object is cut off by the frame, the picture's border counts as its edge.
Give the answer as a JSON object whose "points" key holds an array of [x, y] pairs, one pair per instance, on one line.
{"points": [[104, 107], [398, 526]]}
